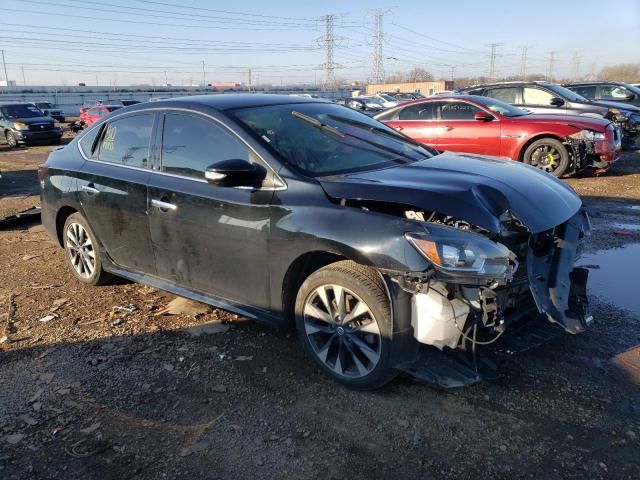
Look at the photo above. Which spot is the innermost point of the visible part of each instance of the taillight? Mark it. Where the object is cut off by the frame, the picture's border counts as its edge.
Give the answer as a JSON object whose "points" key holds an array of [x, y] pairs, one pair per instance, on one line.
{"points": [[43, 171]]}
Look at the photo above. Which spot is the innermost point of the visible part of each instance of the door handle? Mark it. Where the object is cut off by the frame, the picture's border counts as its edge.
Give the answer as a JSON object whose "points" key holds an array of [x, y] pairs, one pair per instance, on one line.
{"points": [[162, 205], [90, 189], [447, 128]]}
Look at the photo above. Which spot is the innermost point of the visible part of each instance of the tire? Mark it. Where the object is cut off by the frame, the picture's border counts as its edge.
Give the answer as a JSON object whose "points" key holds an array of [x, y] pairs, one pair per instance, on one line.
{"points": [[83, 251], [547, 154], [350, 344], [11, 139]]}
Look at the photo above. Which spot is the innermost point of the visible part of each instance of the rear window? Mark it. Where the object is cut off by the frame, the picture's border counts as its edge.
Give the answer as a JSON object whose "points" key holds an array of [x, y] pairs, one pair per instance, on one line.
{"points": [[420, 111], [126, 141], [507, 95], [87, 142]]}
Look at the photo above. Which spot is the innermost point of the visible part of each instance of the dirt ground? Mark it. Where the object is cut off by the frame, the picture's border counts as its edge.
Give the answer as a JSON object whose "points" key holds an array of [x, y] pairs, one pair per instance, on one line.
{"points": [[110, 388]]}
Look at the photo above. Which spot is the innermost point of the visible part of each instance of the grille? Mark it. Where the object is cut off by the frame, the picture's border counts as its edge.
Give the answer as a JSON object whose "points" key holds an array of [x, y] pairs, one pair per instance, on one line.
{"points": [[40, 127]]}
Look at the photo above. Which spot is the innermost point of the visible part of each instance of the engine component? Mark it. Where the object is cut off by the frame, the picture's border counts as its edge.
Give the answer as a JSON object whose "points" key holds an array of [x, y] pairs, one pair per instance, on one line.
{"points": [[436, 319]]}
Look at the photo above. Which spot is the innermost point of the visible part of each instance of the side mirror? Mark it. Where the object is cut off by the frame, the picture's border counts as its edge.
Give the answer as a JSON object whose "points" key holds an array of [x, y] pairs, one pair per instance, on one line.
{"points": [[630, 96], [235, 173], [483, 117], [556, 102]]}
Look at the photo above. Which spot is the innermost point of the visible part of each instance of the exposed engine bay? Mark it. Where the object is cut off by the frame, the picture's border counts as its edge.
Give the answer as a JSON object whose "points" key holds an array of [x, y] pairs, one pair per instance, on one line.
{"points": [[541, 286]]}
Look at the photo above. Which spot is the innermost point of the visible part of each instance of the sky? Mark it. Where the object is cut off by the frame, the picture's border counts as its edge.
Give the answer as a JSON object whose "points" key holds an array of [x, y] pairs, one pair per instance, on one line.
{"points": [[125, 42]]}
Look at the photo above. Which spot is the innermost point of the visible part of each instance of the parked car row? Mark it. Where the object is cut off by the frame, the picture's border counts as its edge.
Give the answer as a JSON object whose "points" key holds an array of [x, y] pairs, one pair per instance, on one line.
{"points": [[385, 254]]}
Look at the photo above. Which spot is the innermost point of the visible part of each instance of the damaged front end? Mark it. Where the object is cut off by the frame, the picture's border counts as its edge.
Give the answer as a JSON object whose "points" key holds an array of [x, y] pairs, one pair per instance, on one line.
{"points": [[592, 150], [512, 290], [629, 124]]}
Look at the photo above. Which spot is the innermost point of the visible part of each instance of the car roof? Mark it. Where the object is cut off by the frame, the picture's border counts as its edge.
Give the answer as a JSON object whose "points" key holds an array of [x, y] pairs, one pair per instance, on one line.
{"points": [[512, 83], [15, 104], [230, 101], [595, 82]]}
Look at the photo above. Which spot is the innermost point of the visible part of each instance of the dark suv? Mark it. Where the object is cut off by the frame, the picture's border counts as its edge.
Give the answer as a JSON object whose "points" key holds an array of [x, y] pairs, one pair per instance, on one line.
{"points": [[24, 123], [608, 91], [544, 97], [385, 254], [51, 110]]}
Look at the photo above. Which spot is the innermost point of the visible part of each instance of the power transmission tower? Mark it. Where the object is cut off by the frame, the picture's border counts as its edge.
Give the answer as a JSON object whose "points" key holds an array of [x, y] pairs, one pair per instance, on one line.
{"points": [[523, 63], [378, 40], [492, 61], [6, 76], [576, 66], [329, 41], [552, 61]]}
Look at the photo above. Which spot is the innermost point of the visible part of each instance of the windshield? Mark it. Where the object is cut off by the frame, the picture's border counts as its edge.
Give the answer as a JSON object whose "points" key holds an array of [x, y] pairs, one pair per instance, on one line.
{"points": [[21, 111], [327, 139], [566, 93], [388, 98], [43, 105], [502, 108], [372, 102]]}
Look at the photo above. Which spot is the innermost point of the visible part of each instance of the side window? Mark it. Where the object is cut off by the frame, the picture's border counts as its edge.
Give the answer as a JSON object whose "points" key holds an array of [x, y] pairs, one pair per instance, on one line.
{"points": [[190, 144], [613, 92], [589, 92], [387, 116], [340, 101], [507, 95], [478, 91], [457, 111], [537, 96], [88, 142], [126, 141], [419, 111]]}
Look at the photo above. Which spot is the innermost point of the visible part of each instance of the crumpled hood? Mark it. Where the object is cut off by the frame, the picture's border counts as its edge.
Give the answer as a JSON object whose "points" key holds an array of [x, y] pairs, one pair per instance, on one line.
{"points": [[474, 188], [618, 105]]}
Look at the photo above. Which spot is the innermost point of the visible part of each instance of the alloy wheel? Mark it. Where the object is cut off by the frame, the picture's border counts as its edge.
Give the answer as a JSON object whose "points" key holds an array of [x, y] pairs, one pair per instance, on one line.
{"points": [[80, 250], [342, 331], [11, 140], [546, 157]]}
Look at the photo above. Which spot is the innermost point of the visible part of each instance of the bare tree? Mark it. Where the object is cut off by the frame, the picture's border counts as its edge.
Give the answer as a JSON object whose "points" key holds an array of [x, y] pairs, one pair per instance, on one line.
{"points": [[624, 72], [419, 75]]}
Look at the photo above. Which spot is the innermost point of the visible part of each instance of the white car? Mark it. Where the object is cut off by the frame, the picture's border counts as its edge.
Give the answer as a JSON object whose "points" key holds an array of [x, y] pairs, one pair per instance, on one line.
{"points": [[387, 101]]}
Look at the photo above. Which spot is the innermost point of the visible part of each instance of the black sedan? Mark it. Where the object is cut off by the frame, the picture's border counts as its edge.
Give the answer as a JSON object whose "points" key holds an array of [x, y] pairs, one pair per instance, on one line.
{"points": [[385, 255], [367, 106]]}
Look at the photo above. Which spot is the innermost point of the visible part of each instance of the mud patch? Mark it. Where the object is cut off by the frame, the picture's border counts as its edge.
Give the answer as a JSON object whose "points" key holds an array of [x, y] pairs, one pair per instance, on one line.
{"points": [[614, 275]]}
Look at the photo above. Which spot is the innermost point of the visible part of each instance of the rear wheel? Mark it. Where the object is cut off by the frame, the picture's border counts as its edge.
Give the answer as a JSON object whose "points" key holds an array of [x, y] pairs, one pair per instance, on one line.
{"points": [[343, 317], [548, 154], [82, 250]]}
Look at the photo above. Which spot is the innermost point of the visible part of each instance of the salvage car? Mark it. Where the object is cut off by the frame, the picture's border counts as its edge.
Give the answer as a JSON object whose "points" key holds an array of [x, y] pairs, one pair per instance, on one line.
{"points": [[26, 124], [385, 255], [90, 115], [557, 144], [51, 110], [608, 91], [544, 97]]}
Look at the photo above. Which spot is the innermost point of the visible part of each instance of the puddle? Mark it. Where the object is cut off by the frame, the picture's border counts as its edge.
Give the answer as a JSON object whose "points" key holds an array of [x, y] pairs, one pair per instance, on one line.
{"points": [[614, 275]]}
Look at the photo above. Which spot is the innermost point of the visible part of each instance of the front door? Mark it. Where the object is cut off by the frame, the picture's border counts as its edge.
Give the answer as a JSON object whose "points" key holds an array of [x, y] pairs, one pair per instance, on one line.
{"points": [[209, 238], [461, 132], [113, 191]]}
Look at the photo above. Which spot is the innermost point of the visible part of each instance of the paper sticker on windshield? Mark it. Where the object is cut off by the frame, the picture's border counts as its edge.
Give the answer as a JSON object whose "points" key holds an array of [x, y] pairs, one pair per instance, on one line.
{"points": [[109, 138]]}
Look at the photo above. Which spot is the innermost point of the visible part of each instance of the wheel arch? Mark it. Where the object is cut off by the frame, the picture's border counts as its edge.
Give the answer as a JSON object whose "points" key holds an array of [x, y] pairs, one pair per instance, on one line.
{"points": [[61, 217], [535, 138]]}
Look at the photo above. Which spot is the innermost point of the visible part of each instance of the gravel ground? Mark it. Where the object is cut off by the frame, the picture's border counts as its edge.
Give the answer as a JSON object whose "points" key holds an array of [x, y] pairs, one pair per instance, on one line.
{"points": [[99, 392]]}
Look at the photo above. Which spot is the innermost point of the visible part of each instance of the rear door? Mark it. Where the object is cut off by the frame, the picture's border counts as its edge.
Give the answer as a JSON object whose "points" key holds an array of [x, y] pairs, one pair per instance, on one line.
{"points": [[208, 238], [417, 121], [461, 132], [113, 189]]}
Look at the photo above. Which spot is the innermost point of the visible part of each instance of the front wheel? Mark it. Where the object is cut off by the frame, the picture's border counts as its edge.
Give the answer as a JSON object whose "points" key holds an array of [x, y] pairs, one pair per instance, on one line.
{"points": [[12, 141], [548, 154], [343, 318]]}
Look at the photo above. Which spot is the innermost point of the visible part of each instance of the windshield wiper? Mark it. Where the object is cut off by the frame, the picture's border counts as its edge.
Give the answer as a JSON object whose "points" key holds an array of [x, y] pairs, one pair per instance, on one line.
{"points": [[318, 124], [366, 126]]}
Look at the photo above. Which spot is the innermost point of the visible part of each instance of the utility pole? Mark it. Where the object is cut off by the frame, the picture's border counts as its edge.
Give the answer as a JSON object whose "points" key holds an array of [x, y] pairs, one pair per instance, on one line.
{"points": [[204, 81], [453, 69], [552, 60], [492, 60], [329, 41], [523, 63], [166, 81], [24, 81], [250, 84], [6, 76], [378, 39]]}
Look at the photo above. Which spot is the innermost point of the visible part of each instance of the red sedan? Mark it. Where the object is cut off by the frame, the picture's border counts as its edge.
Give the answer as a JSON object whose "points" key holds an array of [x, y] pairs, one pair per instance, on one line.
{"points": [[90, 115], [558, 144]]}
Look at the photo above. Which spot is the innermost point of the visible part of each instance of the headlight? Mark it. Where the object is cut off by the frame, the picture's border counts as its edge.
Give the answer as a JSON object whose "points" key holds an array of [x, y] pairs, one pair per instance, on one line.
{"points": [[20, 126], [456, 252], [587, 135]]}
